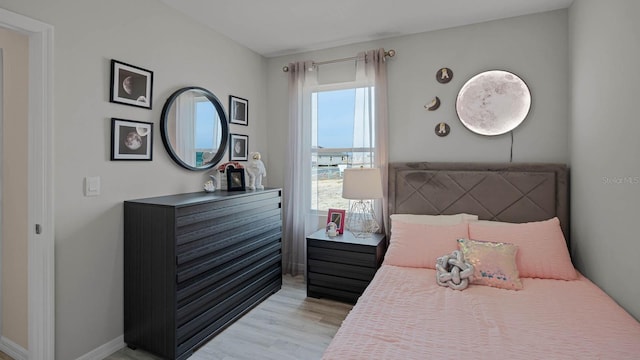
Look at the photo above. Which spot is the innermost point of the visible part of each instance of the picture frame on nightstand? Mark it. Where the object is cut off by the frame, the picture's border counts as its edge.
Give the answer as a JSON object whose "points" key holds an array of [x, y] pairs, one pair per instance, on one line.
{"points": [[337, 216]]}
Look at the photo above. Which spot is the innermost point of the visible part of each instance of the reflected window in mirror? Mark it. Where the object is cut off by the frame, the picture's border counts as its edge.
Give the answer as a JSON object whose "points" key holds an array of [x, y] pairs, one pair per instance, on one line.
{"points": [[207, 131]]}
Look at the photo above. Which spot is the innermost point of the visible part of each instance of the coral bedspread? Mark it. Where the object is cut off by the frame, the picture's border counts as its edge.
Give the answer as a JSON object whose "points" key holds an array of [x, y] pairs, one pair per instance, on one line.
{"points": [[404, 314]]}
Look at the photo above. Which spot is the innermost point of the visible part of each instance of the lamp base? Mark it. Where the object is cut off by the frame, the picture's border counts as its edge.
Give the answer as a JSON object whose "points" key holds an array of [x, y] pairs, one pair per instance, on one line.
{"points": [[361, 220]]}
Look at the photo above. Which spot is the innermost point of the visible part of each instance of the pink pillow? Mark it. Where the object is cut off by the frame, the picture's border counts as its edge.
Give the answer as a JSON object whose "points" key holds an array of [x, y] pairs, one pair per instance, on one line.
{"points": [[420, 245], [494, 263], [542, 249]]}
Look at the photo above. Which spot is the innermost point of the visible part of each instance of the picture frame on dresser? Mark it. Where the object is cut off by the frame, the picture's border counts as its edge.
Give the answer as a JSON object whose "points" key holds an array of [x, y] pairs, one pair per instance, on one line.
{"points": [[235, 179]]}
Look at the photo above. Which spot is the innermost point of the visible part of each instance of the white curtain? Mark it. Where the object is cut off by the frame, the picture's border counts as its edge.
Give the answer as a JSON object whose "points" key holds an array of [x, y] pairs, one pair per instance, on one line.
{"points": [[297, 182], [376, 69], [185, 128], [371, 110]]}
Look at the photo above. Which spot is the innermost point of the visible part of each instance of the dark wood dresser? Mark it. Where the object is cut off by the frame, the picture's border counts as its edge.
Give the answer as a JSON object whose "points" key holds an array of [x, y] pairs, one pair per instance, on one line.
{"points": [[341, 267], [194, 263]]}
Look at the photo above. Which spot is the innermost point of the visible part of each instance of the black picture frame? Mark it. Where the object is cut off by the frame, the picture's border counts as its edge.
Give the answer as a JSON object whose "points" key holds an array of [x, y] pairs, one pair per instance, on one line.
{"points": [[131, 85], [235, 179], [238, 110], [238, 147], [131, 140]]}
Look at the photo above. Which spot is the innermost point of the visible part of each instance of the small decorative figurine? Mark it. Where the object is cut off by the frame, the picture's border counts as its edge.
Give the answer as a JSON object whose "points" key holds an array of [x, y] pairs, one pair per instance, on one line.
{"points": [[256, 171], [332, 229], [209, 187]]}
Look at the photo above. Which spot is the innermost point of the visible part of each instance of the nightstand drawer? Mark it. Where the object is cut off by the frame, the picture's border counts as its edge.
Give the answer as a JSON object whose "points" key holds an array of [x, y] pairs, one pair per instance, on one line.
{"points": [[344, 270], [342, 256], [341, 295], [337, 282]]}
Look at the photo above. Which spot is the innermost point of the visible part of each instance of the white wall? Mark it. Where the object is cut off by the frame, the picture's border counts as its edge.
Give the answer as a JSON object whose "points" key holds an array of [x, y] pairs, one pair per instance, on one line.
{"points": [[605, 178], [535, 47], [14, 189], [89, 243]]}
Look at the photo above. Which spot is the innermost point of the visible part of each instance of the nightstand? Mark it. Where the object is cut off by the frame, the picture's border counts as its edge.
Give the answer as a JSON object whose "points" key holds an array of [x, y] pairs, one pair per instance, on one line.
{"points": [[341, 267]]}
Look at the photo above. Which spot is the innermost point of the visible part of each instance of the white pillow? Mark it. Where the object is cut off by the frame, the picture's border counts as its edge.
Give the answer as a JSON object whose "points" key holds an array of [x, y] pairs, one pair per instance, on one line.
{"points": [[433, 219]]}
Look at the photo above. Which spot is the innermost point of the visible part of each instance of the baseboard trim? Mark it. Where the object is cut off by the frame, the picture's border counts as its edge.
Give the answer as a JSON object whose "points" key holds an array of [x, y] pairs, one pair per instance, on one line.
{"points": [[12, 349], [104, 350]]}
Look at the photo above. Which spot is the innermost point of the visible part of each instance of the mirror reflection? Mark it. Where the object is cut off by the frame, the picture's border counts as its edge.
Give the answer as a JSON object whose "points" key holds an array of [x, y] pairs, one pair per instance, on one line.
{"points": [[194, 128]]}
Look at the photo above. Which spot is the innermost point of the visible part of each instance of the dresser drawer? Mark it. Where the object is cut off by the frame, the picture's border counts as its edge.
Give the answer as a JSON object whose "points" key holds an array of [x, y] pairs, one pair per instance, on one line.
{"points": [[196, 305], [216, 311], [191, 288], [212, 227], [226, 239], [199, 265], [237, 205]]}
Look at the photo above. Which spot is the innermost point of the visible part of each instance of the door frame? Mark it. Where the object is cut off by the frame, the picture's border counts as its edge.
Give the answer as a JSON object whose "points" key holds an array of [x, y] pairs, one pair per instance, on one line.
{"points": [[41, 303]]}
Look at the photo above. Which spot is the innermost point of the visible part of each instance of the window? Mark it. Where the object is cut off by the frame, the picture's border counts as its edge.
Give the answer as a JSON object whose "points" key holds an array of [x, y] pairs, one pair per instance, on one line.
{"points": [[342, 137]]}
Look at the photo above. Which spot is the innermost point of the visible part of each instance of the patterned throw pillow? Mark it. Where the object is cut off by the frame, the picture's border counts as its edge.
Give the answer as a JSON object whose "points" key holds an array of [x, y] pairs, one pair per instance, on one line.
{"points": [[495, 263]]}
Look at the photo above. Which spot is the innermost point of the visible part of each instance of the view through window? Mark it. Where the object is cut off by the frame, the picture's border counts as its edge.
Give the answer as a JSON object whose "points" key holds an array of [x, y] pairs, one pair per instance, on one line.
{"points": [[342, 137]]}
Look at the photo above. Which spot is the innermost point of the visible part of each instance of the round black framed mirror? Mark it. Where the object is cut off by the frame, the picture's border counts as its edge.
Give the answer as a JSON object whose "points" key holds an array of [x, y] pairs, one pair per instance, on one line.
{"points": [[194, 128]]}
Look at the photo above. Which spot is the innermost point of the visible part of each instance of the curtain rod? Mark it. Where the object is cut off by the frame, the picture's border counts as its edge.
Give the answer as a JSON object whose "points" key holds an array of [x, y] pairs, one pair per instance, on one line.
{"points": [[390, 53]]}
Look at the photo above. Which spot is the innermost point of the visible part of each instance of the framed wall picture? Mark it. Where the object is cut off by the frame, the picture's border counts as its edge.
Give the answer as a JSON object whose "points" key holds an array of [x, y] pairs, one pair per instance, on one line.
{"points": [[239, 147], [131, 140], [337, 216], [238, 110], [235, 179], [131, 85]]}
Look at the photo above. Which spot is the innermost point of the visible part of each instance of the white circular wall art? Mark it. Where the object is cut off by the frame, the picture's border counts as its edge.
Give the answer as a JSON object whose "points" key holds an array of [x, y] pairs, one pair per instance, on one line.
{"points": [[493, 102]]}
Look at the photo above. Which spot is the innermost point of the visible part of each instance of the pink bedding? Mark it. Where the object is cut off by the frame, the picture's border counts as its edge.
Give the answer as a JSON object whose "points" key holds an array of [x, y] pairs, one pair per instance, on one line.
{"points": [[404, 314]]}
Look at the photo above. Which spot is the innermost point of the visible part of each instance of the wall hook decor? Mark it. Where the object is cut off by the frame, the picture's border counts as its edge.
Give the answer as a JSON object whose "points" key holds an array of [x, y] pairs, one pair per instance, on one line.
{"points": [[444, 75], [442, 129], [433, 105]]}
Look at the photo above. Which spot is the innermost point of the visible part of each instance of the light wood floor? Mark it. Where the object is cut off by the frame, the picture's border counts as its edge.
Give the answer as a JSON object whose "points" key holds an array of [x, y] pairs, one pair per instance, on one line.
{"points": [[287, 325]]}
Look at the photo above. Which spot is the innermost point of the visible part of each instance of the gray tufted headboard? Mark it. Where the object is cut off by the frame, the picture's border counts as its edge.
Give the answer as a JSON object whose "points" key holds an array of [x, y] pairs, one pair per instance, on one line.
{"points": [[493, 191]]}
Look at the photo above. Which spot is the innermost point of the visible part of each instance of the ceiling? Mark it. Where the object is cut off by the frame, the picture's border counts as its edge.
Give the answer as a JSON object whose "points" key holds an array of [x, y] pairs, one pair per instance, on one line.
{"points": [[281, 27]]}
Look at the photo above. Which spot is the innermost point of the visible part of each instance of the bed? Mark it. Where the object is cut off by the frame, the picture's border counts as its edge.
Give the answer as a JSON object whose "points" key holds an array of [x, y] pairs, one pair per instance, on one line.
{"points": [[546, 310]]}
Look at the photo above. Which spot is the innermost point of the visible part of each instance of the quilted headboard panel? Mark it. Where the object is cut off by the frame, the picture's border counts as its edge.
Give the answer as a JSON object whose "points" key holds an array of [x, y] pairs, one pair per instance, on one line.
{"points": [[503, 192]]}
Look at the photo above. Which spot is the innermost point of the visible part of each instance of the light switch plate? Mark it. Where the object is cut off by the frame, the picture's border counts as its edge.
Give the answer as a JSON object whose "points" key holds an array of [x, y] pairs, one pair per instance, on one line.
{"points": [[92, 186]]}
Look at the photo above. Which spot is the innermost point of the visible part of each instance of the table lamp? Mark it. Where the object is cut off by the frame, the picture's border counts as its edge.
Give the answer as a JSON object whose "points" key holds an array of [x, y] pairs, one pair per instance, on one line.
{"points": [[362, 185]]}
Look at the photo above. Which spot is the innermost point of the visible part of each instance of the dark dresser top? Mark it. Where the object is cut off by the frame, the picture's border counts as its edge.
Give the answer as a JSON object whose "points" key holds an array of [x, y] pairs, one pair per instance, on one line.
{"points": [[188, 199]]}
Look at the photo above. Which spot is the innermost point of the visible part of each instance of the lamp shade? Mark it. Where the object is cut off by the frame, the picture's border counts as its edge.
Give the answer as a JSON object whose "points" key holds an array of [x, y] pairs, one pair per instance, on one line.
{"points": [[361, 184]]}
